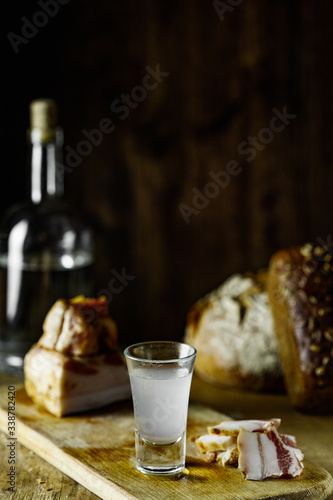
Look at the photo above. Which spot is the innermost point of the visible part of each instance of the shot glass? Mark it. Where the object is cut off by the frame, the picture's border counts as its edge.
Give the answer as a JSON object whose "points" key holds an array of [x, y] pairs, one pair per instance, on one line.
{"points": [[160, 375]]}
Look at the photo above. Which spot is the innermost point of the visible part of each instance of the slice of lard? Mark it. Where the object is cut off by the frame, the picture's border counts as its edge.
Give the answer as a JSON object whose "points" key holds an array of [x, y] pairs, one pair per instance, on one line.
{"points": [[290, 442], [232, 427], [71, 384], [228, 457], [210, 442], [264, 454]]}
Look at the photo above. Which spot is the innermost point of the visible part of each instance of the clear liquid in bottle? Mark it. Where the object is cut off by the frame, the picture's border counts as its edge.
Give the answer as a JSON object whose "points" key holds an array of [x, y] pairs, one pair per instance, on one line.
{"points": [[46, 252]]}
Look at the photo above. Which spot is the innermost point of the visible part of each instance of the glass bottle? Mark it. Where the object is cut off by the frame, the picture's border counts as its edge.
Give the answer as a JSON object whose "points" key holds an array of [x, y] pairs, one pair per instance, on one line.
{"points": [[46, 252]]}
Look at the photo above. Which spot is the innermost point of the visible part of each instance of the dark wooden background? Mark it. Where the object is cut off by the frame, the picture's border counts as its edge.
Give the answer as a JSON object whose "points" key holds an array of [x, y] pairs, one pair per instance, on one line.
{"points": [[227, 71]]}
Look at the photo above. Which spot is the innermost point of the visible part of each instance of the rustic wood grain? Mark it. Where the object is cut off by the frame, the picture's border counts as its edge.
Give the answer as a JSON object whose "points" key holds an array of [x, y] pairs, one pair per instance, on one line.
{"points": [[314, 435], [36, 479], [225, 78], [34, 475], [97, 450]]}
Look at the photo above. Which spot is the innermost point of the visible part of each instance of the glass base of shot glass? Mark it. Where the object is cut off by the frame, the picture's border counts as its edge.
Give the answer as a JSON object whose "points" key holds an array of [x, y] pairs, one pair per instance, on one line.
{"points": [[160, 460]]}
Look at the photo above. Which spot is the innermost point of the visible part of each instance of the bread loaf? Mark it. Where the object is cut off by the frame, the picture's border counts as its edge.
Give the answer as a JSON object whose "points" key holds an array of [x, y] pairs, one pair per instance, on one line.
{"points": [[232, 330], [300, 287]]}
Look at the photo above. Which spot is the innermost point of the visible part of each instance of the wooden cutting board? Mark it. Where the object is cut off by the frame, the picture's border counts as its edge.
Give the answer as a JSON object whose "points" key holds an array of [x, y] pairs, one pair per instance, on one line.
{"points": [[97, 450]]}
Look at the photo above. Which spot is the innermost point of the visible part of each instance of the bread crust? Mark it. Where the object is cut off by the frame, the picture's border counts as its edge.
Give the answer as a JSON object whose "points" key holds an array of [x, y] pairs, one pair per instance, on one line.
{"points": [[300, 290], [232, 330]]}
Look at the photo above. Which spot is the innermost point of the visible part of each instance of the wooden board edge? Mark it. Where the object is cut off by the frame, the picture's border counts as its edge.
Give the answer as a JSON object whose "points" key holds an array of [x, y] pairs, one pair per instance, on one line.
{"points": [[27, 437], [69, 465], [326, 483]]}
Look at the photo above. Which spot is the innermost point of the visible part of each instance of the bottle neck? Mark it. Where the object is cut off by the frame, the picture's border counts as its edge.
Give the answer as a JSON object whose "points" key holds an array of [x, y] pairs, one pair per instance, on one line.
{"points": [[46, 176]]}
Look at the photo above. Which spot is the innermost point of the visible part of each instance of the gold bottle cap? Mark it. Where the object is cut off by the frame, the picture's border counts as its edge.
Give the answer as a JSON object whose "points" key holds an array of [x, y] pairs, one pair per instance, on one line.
{"points": [[44, 117]]}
